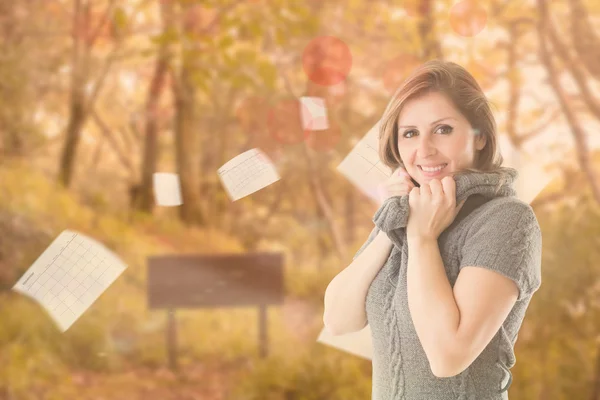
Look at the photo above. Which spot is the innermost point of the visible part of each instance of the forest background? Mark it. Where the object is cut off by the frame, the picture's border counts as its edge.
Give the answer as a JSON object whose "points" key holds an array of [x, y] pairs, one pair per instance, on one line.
{"points": [[97, 95]]}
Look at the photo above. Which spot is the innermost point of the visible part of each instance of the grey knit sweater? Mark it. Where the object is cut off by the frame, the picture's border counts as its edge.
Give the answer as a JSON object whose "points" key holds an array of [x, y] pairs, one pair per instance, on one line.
{"points": [[494, 230]]}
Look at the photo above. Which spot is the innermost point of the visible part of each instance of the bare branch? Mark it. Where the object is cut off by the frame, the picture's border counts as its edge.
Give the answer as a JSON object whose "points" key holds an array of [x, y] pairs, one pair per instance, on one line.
{"points": [[576, 71], [96, 32], [580, 138], [538, 129], [106, 132]]}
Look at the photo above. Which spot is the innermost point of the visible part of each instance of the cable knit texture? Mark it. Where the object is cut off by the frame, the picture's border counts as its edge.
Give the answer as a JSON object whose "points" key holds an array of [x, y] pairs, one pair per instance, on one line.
{"points": [[494, 230]]}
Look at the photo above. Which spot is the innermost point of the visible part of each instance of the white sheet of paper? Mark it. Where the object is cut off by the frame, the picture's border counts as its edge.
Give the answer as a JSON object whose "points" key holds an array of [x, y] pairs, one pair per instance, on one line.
{"points": [[69, 276], [362, 165], [532, 178], [247, 173], [357, 343], [167, 189], [314, 113]]}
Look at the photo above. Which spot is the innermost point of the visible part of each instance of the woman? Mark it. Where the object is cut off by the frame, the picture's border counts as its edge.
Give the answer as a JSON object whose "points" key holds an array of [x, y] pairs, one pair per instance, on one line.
{"points": [[445, 277]]}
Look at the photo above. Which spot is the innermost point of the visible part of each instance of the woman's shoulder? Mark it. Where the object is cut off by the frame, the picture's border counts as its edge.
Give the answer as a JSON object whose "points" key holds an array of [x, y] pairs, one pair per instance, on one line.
{"points": [[506, 204], [505, 210]]}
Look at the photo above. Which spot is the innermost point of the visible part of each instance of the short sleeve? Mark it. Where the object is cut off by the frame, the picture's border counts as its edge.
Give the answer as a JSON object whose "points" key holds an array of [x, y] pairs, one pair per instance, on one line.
{"points": [[506, 238], [372, 235]]}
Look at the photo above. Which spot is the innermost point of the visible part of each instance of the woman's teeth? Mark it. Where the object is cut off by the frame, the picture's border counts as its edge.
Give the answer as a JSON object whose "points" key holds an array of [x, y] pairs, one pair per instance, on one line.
{"points": [[434, 169]]}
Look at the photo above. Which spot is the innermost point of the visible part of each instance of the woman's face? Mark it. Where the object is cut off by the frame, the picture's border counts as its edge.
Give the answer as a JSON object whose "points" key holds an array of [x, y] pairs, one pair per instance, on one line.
{"points": [[433, 134]]}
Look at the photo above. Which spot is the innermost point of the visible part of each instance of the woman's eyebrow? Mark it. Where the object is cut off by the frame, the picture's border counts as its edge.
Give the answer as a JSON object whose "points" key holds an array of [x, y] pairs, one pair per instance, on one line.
{"points": [[434, 122]]}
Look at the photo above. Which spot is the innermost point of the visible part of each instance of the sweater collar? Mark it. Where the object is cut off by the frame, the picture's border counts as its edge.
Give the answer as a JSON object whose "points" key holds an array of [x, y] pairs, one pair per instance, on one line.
{"points": [[393, 213]]}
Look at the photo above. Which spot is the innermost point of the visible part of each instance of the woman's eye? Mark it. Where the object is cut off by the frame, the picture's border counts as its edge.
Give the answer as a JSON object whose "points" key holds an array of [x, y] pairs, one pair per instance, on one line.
{"points": [[446, 128]]}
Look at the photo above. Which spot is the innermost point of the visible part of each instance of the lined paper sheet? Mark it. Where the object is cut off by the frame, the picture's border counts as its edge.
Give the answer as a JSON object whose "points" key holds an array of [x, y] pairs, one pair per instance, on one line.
{"points": [[69, 276], [357, 343], [247, 173], [314, 113], [362, 165], [167, 189]]}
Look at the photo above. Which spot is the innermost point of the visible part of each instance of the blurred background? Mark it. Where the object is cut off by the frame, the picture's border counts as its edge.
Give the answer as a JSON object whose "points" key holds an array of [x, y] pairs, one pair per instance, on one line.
{"points": [[97, 95]]}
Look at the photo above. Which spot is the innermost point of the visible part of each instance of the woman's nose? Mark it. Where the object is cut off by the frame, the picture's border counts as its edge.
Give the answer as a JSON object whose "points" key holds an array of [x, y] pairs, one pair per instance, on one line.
{"points": [[425, 147]]}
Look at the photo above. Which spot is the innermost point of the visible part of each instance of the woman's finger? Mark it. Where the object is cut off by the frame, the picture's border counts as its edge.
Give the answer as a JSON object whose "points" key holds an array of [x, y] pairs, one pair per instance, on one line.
{"points": [[449, 186], [437, 192]]}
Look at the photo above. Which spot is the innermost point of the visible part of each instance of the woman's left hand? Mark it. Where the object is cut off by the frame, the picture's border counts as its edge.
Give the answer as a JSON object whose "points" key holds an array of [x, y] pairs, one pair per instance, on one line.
{"points": [[432, 208]]}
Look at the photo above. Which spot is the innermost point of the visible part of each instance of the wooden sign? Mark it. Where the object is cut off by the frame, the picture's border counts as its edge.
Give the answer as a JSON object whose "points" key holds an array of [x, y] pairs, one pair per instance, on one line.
{"points": [[215, 280], [212, 281]]}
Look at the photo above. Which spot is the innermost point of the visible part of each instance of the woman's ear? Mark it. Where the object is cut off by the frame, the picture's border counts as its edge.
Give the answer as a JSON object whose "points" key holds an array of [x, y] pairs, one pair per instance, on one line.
{"points": [[480, 142]]}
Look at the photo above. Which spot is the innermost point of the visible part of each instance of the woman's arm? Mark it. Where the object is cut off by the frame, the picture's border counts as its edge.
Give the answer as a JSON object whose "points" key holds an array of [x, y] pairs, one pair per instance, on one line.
{"points": [[346, 294], [433, 308]]}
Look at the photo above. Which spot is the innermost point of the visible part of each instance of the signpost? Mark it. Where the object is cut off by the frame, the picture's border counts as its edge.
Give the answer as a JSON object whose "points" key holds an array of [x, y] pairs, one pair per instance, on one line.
{"points": [[212, 281]]}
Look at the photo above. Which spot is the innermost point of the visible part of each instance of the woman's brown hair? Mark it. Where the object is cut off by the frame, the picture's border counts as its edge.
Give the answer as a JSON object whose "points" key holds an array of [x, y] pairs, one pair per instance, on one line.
{"points": [[465, 94]]}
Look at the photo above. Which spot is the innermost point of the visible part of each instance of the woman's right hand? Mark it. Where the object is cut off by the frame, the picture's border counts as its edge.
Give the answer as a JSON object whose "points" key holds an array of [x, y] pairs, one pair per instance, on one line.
{"points": [[398, 184]]}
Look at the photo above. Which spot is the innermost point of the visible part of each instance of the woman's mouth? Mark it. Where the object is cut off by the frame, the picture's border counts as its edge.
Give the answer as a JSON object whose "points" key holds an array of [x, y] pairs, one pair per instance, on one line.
{"points": [[432, 172]]}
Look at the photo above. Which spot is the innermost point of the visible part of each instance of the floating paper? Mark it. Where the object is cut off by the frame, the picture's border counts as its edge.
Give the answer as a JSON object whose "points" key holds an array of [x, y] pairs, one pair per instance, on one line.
{"points": [[69, 276], [362, 165], [357, 343], [532, 178], [314, 114], [247, 173], [167, 189]]}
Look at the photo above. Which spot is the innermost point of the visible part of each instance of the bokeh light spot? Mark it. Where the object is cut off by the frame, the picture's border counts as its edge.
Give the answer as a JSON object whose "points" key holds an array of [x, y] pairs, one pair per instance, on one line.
{"points": [[468, 17], [327, 60]]}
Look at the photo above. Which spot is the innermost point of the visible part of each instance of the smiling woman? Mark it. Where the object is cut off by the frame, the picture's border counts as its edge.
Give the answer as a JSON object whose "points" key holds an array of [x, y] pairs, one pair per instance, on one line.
{"points": [[446, 276]]}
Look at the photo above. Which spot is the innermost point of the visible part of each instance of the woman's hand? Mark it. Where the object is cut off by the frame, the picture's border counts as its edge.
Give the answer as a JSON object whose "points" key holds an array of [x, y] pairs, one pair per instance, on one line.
{"points": [[398, 184], [432, 208]]}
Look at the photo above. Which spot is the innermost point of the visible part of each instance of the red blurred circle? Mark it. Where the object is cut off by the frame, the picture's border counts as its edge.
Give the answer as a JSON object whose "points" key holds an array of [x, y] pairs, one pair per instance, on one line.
{"points": [[284, 121], [397, 70], [327, 60], [468, 18]]}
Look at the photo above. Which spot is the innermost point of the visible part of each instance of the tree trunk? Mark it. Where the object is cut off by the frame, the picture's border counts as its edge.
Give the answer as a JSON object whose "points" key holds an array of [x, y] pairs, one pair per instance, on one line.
{"points": [[145, 202], [430, 44], [77, 118], [596, 378], [77, 112], [584, 38], [187, 139]]}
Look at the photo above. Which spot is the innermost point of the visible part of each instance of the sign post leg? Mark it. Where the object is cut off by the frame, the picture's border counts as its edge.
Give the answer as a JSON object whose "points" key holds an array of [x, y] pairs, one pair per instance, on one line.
{"points": [[171, 340], [262, 330]]}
